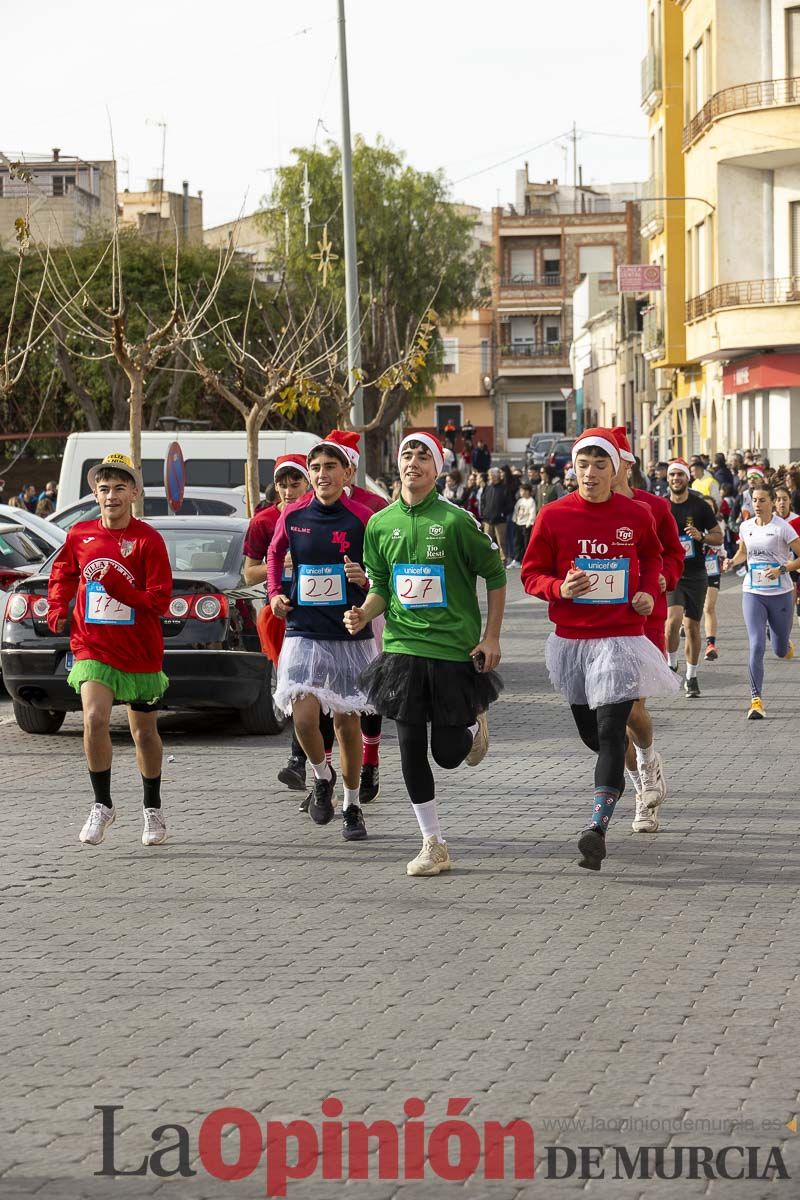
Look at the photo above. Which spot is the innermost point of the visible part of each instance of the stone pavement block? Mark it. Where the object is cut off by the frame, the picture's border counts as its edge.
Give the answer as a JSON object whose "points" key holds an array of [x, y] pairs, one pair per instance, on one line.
{"points": [[273, 966]]}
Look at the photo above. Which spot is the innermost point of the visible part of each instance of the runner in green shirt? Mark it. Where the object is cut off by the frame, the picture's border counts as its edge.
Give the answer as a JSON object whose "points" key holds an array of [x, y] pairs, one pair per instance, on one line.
{"points": [[423, 556]]}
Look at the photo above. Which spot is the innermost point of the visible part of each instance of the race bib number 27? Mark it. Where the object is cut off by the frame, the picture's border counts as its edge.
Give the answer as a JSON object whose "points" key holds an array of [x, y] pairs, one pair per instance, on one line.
{"points": [[419, 586]]}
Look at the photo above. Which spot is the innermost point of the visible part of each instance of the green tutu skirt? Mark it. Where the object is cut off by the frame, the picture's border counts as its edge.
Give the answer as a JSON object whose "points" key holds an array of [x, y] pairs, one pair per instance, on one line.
{"points": [[128, 686]]}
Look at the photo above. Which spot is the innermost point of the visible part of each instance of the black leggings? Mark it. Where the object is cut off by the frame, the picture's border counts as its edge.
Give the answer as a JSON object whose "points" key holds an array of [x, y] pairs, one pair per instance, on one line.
{"points": [[325, 728], [371, 724], [603, 730], [450, 745]]}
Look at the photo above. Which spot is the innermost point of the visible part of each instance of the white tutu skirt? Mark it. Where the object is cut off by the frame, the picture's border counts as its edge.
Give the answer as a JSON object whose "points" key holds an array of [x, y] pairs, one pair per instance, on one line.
{"points": [[328, 670], [598, 671]]}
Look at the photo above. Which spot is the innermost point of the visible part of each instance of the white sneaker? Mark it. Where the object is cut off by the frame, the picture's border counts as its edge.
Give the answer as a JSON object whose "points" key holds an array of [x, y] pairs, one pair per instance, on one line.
{"points": [[433, 858], [155, 829], [646, 819], [480, 742], [99, 820], [654, 785]]}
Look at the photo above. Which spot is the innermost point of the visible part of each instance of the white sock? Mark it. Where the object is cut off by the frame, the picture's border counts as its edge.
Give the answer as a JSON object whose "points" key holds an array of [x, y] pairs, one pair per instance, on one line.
{"points": [[474, 729], [634, 780], [350, 797], [322, 770], [428, 820], [691, 670], [645, 755], [673, 658]]}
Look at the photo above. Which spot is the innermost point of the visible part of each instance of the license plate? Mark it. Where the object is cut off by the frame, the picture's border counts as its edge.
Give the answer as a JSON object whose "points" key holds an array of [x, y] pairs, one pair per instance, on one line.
{"points": [[69, 660]]}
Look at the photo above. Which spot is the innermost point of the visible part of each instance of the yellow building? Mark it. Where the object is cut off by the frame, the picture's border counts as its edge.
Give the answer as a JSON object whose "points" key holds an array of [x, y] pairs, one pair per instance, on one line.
{"points": [[673, 425], [158, 213], [741, 144]]}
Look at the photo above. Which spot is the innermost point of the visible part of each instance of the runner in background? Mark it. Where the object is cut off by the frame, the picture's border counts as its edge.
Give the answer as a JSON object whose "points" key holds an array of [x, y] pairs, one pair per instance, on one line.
{"points": [[697, 528], [291, 481], [643, 764], [596, 558], [783, 507], [117, 569], [770, 549], [715, 557]]}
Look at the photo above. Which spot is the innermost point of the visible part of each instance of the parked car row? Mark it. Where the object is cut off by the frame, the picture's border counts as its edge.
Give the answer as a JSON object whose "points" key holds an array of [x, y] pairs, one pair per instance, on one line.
{"points": [[549, 449], [212, 653]]}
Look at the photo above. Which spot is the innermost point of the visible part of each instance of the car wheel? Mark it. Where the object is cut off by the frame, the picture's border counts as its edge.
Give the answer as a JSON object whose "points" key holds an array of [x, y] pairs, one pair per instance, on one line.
{"points": [[38, 720], [262, 716]]}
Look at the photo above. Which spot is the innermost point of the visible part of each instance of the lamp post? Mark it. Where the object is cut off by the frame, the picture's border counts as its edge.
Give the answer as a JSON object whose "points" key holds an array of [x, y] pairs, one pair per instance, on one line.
{"points": [[350, 261]]}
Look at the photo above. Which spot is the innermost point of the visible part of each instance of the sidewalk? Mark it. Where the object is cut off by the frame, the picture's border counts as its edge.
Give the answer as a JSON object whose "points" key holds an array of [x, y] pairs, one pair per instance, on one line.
{"points": [[258, 961]]}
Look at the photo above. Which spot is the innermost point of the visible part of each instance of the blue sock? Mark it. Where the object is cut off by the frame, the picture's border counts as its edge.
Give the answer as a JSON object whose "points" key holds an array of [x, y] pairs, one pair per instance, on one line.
{"points": [[605, 801]]}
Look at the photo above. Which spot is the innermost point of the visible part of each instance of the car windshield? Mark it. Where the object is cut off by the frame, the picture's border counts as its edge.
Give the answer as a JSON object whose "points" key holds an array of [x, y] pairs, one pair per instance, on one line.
{"points": [[564, 447], [17, 550], [210, 551], [154, 506], [89, 510]]}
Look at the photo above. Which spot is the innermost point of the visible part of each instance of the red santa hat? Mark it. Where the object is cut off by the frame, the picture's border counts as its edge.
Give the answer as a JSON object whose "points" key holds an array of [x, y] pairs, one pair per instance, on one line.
{"points": [[758, 471], [346, 440], [291, 462], [621, 438], [602, 438], [680, 464], [429, 440]]}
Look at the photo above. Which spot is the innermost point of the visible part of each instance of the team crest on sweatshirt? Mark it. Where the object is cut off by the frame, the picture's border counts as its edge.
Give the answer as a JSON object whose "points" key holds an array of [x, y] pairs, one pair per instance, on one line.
{"points": [[126, 548], [624, 534]]}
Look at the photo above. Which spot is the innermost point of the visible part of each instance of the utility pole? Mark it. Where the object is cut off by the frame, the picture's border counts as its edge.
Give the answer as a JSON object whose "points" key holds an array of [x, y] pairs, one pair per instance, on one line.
{"points": [[574, 167], [350, 260]]}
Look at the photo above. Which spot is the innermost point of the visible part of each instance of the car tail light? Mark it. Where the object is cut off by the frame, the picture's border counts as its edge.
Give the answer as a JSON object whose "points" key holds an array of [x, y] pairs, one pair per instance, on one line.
{"points": [[208, 608], [40, 608], [17, 609], [552, 460]]}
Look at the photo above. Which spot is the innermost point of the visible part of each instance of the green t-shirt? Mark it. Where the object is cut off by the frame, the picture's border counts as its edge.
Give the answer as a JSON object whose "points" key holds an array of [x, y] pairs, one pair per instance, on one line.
{"points": [[447, 550]]}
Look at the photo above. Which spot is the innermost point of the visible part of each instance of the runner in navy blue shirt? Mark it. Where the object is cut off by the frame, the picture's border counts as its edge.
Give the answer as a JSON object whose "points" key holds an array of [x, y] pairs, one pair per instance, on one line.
{"points": [[320, 663]]}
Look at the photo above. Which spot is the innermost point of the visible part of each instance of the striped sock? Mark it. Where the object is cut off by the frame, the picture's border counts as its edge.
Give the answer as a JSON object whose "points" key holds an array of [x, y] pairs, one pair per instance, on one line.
{"points": [[372, 746]]}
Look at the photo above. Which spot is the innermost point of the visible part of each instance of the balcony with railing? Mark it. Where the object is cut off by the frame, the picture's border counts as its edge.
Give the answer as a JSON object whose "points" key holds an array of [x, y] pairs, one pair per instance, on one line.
{"points": [[547, 279], [745, 294], [520, 354], [653, 345], [651, 210], [651, 81], [768, 93]]}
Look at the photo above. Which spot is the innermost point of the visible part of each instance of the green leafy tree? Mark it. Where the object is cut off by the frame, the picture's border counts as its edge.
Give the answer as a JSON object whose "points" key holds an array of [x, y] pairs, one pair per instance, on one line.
{"points": [[416, 252]]}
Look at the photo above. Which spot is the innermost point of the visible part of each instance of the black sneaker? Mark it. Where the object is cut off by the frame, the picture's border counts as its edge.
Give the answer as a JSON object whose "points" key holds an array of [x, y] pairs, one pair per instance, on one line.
{"points": [[353, 827], [304, 803], [294, 774], [692, 688], [592, 847], [321, 807], [675, 669], [370, 787]]}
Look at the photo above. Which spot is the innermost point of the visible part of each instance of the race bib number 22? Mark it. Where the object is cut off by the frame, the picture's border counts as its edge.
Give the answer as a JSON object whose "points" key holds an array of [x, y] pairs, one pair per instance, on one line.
{"points": [[321, 585]]}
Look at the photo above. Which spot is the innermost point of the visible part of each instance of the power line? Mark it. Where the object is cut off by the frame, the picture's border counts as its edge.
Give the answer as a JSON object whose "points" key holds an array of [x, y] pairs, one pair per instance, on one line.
{"points": [[512, 157]]}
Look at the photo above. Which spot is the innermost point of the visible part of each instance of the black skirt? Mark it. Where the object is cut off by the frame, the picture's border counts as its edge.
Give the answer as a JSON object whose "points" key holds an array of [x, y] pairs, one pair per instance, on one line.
{"points": [[408, 688]]}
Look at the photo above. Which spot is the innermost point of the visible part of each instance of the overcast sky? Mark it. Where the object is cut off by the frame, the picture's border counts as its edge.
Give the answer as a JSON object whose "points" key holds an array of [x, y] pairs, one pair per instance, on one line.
{"points": [[455, 84]]}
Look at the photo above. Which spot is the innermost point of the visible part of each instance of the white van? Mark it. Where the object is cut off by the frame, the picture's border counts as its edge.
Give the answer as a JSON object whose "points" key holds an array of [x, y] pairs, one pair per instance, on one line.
{"points": [[212, 459]]}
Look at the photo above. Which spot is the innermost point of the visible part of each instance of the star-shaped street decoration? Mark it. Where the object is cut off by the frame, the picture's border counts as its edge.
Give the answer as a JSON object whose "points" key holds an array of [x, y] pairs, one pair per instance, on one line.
{"points": [[325, 257]]}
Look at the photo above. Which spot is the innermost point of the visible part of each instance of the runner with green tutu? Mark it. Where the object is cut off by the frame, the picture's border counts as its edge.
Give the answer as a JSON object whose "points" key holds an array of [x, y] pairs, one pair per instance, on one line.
{"points": [[117, 571]]}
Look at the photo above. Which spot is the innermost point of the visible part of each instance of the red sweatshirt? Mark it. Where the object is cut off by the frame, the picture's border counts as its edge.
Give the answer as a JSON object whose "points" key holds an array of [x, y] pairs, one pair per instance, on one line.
{"points": [[672, 554], [370, 500], [126, 635], [615, 542]]}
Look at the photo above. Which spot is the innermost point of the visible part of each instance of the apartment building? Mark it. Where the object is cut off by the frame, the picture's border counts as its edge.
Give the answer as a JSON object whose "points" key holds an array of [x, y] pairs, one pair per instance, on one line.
{"points": [[741, 147], [673, 427], [543, 246], [160, 214], [610, 376], [66, 197]]}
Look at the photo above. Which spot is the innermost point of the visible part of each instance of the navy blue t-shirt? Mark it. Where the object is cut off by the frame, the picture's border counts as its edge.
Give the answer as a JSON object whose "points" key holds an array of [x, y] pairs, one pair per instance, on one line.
{"points": [[318, 537]]}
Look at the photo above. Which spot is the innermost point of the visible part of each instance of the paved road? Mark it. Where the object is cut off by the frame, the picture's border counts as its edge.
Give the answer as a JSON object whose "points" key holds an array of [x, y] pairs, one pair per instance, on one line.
{"points": [[257, 961]]}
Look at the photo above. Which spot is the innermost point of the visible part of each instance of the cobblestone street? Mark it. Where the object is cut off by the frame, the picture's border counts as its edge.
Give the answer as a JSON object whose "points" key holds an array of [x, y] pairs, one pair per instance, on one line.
{"points": [[259, 962]]}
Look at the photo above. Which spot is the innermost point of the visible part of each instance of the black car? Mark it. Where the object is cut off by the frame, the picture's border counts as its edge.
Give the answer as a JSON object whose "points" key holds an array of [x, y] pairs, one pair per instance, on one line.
{"points": [[212, 653], [538, 448]]}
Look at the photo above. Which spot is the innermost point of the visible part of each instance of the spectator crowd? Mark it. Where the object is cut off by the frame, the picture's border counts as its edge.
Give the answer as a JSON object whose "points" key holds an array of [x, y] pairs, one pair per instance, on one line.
{"points": [[41, 503]]}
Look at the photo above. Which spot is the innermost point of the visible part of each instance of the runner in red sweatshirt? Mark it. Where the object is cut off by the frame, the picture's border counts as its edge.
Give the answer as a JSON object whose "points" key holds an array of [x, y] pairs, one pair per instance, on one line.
{"points": [[643, 764], [596, 558], [117, 569]]}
